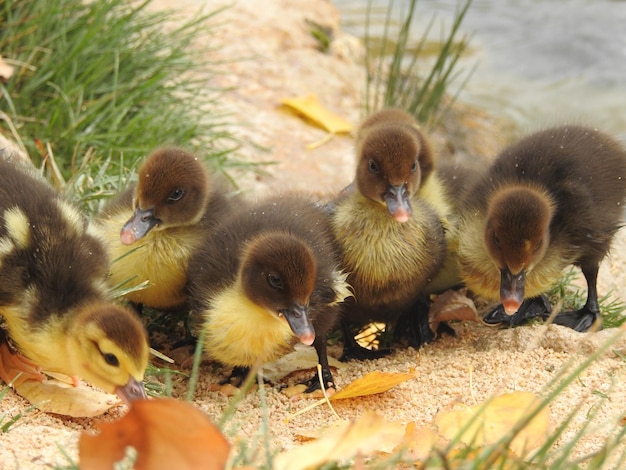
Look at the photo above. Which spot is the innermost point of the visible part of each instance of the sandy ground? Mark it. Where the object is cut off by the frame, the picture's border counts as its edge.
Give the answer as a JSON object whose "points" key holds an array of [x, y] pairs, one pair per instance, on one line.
{"points": [[480, 362]]}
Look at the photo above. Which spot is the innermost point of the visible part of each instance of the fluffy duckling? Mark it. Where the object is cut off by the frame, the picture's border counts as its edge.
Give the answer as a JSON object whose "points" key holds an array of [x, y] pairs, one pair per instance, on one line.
{"points": [[53, 295], [391, 239], [153, 228], [552, 199], [266, 279]]}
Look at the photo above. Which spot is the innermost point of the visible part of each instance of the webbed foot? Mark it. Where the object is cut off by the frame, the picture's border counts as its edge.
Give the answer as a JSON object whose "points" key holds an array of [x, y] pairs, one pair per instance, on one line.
{"points": [[530, 308], [579, 320]]}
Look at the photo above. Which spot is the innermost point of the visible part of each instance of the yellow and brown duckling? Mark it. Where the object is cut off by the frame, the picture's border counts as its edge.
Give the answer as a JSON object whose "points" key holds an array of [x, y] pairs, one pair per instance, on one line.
{"points": [[153, 228], [553, 199], [391, 239], [267, 278], [54, 305]]}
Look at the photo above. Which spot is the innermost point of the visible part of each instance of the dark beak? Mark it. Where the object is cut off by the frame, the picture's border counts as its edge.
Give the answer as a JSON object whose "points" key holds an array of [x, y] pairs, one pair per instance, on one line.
{"points": [[398, 204], [298, 319], [138, 226], [132, 391], [512, 290]]}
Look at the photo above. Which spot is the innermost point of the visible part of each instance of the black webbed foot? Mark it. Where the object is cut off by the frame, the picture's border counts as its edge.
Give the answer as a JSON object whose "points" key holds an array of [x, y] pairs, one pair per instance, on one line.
{"points": [[313, 383], [579, 320], [237, 376], [530, 308], [414, 325]]}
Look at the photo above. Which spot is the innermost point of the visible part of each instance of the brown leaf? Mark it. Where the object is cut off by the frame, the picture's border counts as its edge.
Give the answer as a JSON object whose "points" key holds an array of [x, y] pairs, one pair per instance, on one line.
{"points": [[419, 441], [452, 305], [166, 434], [372, 383], [486, 424], [367, 435]]}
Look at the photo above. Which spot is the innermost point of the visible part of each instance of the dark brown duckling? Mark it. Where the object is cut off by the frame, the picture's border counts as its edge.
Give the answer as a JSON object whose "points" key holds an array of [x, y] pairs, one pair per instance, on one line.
{"points": [[391, 238], [153, 228], [54, 303], [266, 279], [553, 199]]}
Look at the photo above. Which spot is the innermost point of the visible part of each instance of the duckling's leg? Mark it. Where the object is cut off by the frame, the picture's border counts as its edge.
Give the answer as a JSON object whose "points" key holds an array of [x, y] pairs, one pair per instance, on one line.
{"points": [[15, 368], [313, 383], [585, 318], [531, 308], [237, 376], [353, 350]]}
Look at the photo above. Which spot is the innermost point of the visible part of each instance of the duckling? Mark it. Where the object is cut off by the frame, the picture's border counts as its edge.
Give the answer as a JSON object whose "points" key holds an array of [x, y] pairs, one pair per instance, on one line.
{"points": [[553, 199], [391, 238], [54, 305], [266, 278], [153, 228]]}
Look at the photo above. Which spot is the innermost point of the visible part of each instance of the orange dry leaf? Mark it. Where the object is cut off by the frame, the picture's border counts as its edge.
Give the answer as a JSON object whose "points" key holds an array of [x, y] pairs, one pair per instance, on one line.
{"points": [[487, 423], [309, 107], [419, 441], [165, 433], [367, 435], [372, 383]]}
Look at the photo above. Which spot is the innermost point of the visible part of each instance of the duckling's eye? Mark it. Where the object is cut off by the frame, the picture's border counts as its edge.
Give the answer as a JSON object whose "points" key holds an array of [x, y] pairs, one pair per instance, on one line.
{"points": [[111, 359], [537, 246], [496, 240], [372, 166], [176, 195], [275, 281], [414, 167]]}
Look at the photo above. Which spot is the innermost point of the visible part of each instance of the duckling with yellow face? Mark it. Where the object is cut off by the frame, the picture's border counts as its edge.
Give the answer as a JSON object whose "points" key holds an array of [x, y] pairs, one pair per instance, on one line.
{"points": [[153, 228], [54, 303], [553, 199], [391, 238], [267, 278]]}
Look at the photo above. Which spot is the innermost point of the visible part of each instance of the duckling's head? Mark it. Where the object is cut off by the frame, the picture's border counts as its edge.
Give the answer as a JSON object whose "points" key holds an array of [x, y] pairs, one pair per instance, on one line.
{"points": [[173, 190], [109, 347], [278, 273], [517, 235], [393, 160]]}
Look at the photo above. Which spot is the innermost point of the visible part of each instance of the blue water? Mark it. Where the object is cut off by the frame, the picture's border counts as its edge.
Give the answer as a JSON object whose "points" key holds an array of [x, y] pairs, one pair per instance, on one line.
{"points": [[539, 62]]}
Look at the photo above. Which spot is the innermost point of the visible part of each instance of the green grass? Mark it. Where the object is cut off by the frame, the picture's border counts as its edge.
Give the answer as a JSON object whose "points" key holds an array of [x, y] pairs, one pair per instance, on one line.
{"points": [[100, 84], [394, 64]]}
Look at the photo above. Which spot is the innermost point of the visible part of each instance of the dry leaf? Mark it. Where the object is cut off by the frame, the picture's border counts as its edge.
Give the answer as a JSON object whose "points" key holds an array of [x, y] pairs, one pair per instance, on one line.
{"points": [[165, 433], [419, 441], [302, 358], [372, 383], [452, 305], [489, 422], [309, 107], [54, 396], [365, 436], [6, 71]]}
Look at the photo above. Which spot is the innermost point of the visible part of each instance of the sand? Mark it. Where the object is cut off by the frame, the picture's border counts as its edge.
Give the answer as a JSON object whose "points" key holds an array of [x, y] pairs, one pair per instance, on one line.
{"points": [[481, 361]]}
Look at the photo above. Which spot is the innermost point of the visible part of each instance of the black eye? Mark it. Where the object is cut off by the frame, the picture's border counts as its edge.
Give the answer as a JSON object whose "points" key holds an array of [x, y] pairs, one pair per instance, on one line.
{"points": [[111, 359], [275, 281], [414, 167], [372, 166], [176, 195], [496, 240]]}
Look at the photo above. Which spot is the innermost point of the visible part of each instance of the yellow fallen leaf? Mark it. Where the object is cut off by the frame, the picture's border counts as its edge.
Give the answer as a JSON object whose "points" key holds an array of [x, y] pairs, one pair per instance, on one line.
{"points": [[371, 384], [310, 108], [363, 437], [487, 423], [165, 433], [419, 441], [54, 396]]}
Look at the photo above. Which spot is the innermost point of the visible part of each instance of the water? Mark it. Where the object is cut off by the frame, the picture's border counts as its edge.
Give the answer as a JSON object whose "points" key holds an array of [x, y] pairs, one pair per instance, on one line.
{"points": [[540, 62]]}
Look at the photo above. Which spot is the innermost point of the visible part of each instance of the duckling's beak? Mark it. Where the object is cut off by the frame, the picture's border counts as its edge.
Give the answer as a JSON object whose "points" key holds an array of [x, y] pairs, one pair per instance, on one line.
{"points": [[132, 391], [398, 203], [138, 225], [298, 319], [512, 290]]}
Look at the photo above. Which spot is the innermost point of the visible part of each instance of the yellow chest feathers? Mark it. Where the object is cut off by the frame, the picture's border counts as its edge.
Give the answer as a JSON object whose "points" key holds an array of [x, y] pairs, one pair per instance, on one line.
{"points": [[239, 333], [375, 247], [160, 259]]}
